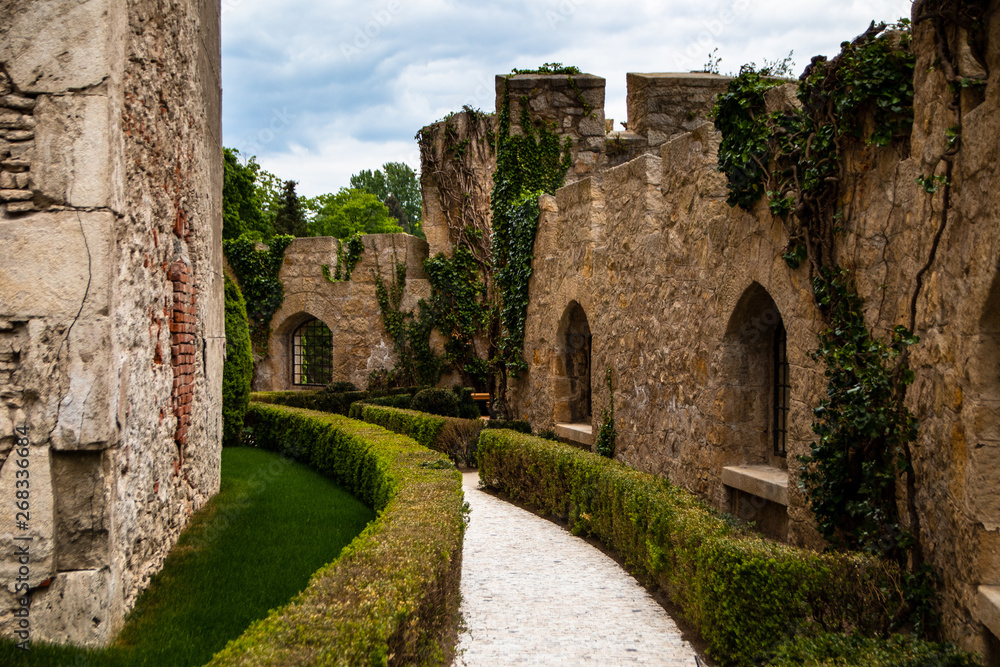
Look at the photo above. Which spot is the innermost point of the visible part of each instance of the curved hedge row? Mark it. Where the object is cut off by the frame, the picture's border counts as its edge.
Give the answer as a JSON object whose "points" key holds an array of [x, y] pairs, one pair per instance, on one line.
{"points": [[392, 595], [744, 594], [324, 400], [451, 435]]}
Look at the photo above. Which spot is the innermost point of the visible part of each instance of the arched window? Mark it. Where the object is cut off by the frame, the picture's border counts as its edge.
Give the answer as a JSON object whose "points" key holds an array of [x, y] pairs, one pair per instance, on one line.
{"points": [[572, 377], [312, 353], [758, 385]]}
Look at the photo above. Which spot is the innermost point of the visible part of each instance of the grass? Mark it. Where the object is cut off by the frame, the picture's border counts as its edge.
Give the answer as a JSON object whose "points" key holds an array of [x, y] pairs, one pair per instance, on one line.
{"points": [[252, 548]]}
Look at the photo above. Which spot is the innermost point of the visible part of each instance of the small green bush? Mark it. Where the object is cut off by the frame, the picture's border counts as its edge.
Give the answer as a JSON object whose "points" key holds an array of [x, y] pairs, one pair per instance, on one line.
{"points": [[467, 408], [237, 371], [452, 436], [340, 387], [392, 596], [398, 401], [743, 593], [832, 650], [436, 402]]}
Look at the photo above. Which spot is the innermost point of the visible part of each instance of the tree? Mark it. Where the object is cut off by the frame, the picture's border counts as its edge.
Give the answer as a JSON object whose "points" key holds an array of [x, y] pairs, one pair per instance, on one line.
{"points": [[290, 219], [241, 204], [398, 181], [348, 212]]}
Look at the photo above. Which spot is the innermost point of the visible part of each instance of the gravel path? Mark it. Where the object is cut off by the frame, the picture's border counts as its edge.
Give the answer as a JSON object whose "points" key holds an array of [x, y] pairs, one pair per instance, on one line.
{"points": [[533, 594]]}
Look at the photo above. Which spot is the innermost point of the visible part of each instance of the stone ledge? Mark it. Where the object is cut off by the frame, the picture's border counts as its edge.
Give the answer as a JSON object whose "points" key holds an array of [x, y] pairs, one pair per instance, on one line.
{"points": [[989, 608], [761, 481], [579, 433]]}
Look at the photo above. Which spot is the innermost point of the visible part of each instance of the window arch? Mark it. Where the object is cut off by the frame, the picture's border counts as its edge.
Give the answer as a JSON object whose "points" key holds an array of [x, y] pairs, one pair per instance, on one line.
{"points": [[758, 383], [312, 353], [572, 376]]}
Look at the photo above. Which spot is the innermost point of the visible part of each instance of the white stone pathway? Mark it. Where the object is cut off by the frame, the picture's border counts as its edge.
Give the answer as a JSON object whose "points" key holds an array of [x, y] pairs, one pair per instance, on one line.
{"points": [[533, 594]]}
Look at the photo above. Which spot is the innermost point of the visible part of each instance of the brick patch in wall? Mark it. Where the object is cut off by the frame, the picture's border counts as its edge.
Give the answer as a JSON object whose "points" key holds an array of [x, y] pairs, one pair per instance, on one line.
{"points": [[182, 345]]}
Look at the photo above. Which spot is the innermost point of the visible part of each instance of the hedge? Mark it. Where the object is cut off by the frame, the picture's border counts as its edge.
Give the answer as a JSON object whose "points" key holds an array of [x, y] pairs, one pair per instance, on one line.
{"points": [[744, 594], [453, 436], [324, 400], [831, 650], [392, 595]]}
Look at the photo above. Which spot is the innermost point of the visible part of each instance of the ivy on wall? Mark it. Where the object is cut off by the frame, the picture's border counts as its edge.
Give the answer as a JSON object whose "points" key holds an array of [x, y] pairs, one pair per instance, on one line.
{"points": [[460, 311], [416, 362], [348, 256], [257, 271]]}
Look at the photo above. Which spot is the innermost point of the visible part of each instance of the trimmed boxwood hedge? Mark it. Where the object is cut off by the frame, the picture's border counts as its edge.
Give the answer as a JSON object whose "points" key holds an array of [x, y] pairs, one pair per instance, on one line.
{"points": [[744, 594], [831, 650], [325, 400], [453, 436], [392, 595]]}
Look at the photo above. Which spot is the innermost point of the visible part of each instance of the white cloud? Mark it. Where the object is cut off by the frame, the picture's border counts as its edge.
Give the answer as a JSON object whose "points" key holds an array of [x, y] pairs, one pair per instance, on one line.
{"points": [[326, 111]]}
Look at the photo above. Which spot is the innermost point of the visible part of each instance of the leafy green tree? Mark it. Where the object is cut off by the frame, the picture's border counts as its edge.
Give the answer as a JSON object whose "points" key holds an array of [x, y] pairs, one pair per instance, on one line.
{"points": [[268, 189], [397, 181], [348, 212], [241, 204], [290, 219]]}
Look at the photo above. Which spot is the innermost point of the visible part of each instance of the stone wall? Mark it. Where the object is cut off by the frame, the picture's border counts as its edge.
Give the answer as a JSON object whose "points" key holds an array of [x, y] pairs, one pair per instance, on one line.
{"points": [[683, 295], [111, 310], [349, 308]]}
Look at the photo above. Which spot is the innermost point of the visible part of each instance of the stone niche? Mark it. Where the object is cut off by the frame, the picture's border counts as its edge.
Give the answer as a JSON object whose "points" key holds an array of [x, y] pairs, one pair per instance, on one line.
{"points": [[110, 188]]}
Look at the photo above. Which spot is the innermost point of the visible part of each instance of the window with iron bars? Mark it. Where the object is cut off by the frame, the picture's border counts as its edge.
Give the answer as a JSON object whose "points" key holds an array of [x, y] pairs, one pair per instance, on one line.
{"points": [[312, 354], [782, 391]]}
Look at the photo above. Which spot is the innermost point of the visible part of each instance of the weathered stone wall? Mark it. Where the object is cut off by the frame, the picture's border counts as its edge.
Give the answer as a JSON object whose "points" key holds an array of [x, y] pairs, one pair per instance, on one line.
{"points": [[664, 105], [349, 308], [110, 174], [680, 290]]}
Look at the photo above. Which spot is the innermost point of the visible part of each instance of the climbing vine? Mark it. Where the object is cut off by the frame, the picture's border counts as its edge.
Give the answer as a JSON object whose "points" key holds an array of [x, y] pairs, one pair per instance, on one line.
{"points": [[460, 310], [462, 194], [416, 362], [257, 271], [348, 256]]}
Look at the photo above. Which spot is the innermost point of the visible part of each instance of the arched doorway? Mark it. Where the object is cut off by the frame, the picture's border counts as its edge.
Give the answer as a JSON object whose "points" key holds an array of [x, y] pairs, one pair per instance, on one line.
{"points": [[573, 373], [312, 353]]}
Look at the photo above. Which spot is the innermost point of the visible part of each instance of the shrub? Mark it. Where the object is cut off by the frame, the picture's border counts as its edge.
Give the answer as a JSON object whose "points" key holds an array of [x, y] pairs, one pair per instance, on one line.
{"points": [[436, 402], [467, 408], [832, 650], [340, 387], [743, 593], [455, 437], [237, 371], [397, 401], [394, 591]]}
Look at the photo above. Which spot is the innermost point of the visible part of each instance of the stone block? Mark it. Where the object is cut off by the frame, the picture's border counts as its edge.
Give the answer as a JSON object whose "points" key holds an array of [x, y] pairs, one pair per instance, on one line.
{"points": [[75, 609], [38, 524], [62, 44], [72, 163], [54, 263]]}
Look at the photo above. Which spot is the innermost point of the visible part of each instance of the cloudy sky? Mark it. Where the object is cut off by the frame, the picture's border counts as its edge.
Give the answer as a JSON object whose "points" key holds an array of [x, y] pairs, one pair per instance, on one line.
{"points": [[321, 89]]}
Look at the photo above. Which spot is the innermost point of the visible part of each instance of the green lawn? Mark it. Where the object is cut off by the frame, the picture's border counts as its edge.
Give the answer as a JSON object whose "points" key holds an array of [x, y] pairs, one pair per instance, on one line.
{"points": [[248, 551]]}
